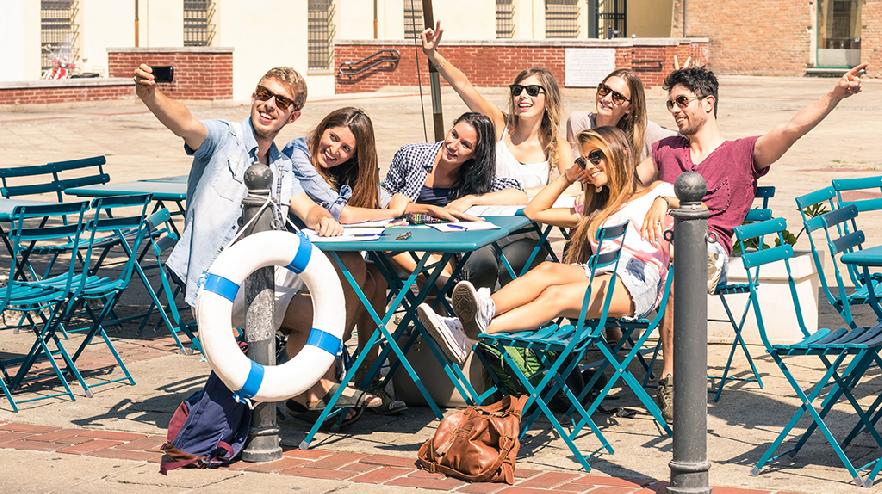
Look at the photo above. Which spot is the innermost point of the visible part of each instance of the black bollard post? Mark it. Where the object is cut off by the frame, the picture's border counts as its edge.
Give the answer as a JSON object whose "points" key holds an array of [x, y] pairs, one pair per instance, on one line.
{"points": [[689, 467], [263, 437]]}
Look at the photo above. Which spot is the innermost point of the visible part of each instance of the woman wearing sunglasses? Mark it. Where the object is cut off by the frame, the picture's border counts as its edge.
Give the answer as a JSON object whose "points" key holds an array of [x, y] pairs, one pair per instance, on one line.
{"points": [[336, 165], [620, 102], [527, 146], [613, 196]]}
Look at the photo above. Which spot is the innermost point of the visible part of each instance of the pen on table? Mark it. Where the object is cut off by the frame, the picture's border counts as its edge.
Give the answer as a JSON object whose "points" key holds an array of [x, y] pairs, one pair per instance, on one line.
{"points": [[456, 227]]}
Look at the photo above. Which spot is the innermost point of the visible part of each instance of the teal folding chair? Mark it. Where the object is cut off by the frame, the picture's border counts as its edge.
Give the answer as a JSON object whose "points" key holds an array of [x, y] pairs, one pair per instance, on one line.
{"points": [[561, 348], [838, 230], [846, 354], [46, 302], [79, 173], [756, 214]]}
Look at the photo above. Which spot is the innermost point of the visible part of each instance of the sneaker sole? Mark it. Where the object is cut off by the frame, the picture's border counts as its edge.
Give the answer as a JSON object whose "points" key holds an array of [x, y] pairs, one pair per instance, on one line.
{"points": [[431, 324], [465, 305]]}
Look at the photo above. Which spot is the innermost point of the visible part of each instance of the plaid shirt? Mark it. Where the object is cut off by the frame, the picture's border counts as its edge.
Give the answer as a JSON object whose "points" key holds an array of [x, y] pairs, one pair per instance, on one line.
{"points": [[412, 164]]}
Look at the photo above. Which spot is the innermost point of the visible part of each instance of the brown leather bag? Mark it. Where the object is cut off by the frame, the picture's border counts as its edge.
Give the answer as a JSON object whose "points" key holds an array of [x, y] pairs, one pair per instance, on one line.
{"points": [[476, 444]]}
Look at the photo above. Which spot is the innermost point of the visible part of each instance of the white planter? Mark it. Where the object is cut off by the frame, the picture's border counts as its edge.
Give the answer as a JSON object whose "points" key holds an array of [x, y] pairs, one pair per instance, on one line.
{"points": [[775, 301]]}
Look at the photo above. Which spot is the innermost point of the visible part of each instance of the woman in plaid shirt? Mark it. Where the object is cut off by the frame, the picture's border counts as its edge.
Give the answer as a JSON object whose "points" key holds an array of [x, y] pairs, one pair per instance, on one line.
{"points": [[444, 179]]}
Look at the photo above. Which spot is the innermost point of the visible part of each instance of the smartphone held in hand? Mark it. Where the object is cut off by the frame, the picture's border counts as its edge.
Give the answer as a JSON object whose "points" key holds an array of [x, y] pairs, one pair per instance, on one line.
{"points": [[164, 73]]}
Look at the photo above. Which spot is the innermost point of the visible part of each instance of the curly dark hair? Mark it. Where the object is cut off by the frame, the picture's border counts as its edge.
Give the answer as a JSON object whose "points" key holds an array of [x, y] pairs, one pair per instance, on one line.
{"points": [[477, 174], [699, 80]]}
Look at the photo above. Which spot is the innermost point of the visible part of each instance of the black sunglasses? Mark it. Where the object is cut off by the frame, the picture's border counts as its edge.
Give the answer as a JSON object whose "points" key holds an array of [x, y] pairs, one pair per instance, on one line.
{"points": [[682, 101], [617, 97], [533, 90], [595, 157], [264, 94]]}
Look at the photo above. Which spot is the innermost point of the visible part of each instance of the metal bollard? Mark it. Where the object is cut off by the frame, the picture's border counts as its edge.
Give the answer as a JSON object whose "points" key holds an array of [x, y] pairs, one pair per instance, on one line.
{"points": [[263, 437], [689, 467]]}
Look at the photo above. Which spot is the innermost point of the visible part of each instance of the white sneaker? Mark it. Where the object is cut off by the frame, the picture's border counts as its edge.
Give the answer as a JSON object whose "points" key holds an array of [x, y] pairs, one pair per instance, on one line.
{"points": [[446, 331], [475, 308]]}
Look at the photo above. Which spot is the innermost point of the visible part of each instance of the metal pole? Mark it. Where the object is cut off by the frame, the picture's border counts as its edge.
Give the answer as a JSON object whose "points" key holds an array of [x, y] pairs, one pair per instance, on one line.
{"points": [[263, 437], [690, 466], [434, 78], [137, 20]]}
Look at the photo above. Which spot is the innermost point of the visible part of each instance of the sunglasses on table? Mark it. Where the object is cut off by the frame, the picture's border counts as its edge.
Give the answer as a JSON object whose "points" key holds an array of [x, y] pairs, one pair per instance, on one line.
{"points": [[617, 97], [594, 157], [533, 90], [681, 101], [264, 94]]}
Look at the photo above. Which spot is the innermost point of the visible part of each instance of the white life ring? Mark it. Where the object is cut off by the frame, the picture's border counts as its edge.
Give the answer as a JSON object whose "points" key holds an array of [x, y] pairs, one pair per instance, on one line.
{"points": [[246, 378]]}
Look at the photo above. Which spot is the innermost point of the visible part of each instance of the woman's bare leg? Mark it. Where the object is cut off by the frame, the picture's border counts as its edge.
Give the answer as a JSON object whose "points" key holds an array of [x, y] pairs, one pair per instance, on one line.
{"points": [[564, 301], [527, 288]]}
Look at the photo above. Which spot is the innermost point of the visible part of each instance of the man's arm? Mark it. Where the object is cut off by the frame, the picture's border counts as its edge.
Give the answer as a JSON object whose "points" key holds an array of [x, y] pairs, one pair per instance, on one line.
{"points": [[173, 114], [315, 216], [771, 146]]}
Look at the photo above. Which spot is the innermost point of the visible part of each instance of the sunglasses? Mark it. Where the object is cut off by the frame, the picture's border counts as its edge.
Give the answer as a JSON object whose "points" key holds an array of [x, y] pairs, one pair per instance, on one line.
{"points": [[682, 102], [617, 97], [264, 94], [533, 90], [595, 157]]}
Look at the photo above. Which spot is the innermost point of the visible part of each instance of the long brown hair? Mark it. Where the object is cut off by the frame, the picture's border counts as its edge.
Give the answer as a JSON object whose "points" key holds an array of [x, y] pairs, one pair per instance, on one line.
{"points": [[551, 119], [599, 206], [633, 122], [361, 172]]}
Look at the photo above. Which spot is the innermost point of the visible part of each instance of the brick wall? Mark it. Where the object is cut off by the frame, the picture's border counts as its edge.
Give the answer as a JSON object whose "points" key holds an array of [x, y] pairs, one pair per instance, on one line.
{"points": [[497, 63], [200, 73], [754, 36], [66, 91], [871, 36]]}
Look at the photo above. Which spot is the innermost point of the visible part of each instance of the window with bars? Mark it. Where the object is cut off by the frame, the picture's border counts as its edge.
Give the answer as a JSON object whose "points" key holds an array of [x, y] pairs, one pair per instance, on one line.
{"points": [[504, 18], [612, 18], [198, 25], [413, 19], [58, 31], [561, 18], [320, 33]]}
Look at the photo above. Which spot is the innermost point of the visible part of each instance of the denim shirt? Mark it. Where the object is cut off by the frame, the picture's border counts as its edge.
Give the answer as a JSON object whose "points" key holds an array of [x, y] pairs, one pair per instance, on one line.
{"points": [[215, 189], [316, 187]]}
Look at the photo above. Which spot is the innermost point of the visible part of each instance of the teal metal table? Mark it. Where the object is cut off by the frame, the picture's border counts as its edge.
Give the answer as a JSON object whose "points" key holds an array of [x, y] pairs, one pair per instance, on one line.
{"points": [[422, 243]]}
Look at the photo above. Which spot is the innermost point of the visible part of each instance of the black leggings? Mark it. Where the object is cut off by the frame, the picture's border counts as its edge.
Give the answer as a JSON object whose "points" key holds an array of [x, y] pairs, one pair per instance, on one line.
{"points": [[484, 267]]}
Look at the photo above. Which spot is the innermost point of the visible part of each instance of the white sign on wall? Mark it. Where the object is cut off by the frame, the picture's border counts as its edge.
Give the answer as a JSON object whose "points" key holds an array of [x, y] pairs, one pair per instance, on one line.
{"points": [[586, 67]]}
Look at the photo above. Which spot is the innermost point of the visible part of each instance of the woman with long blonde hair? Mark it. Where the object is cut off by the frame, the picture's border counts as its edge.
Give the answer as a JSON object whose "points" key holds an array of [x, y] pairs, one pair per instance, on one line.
{"points": [[613, 196]]}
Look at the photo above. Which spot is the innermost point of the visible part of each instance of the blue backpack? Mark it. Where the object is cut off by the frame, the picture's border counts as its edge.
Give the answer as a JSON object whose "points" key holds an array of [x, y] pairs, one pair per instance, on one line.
{"points": [[208, 429]]}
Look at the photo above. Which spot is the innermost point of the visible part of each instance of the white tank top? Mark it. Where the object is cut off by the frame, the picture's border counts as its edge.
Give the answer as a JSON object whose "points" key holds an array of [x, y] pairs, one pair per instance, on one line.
{"points": [[529, 174]]}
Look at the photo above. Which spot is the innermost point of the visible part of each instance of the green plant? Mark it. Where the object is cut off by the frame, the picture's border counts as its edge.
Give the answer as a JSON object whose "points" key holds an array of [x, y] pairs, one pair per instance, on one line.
{"points": [[789, 238]]}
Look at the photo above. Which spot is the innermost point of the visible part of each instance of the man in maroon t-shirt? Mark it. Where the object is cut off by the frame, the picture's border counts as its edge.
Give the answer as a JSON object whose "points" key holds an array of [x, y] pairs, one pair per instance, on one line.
{"points": [[730, 169]]}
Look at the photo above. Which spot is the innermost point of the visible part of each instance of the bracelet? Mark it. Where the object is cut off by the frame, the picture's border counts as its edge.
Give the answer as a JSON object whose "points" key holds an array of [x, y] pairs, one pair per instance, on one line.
{"points": [[667, 202]]}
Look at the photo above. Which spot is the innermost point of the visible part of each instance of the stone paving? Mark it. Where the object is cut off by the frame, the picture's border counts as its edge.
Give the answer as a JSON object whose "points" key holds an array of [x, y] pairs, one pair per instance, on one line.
{"points": [[110, 440]]}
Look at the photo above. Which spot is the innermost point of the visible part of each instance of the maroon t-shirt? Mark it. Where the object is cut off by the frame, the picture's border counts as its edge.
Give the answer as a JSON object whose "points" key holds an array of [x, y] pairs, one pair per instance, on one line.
{"points": [[730, 175]]}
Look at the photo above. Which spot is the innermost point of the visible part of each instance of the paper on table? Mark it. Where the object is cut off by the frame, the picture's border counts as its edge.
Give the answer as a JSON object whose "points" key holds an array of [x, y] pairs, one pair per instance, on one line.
{"points": [[463, 226], [349, 235], [564, 202], [373, 224]]}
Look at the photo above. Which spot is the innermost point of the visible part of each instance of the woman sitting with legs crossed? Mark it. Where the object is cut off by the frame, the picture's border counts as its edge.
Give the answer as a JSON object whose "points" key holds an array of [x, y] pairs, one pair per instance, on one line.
{"points": [[613, 196]]}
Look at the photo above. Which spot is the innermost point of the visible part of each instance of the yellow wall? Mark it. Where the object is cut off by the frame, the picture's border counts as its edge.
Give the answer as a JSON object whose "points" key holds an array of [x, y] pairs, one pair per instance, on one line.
{"points": [[20, 34], [104, 24], [649, 18], [161, 23]]}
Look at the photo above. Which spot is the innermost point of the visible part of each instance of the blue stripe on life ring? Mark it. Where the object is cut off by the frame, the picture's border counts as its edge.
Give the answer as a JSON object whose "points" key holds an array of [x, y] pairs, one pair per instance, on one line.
{"points": [[301, 258], [324, 341], [221, 286], [252, 383]]}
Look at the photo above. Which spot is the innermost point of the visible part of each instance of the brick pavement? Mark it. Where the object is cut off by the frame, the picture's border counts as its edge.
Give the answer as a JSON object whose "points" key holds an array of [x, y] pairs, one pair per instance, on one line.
{"points": [[357, 468]]}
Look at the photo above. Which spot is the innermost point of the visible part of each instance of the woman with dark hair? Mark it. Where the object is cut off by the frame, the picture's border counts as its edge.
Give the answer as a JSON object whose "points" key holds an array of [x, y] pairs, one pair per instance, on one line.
{"points": [[613, 196], [620, 102], [443, 179], [336, 166]]}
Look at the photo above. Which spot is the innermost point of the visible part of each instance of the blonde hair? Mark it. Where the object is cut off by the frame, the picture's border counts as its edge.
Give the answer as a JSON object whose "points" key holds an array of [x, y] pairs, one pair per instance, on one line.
{"points": [[551, 118], [634, 122], [622, 183], [292, 80]]}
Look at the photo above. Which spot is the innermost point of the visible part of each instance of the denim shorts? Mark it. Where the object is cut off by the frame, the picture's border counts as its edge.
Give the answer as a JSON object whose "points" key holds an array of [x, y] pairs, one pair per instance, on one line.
{"points": [[642, 281]]}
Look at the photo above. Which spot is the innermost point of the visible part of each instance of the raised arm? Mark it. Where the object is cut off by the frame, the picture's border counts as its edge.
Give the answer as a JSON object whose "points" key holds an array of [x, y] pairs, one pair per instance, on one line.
{"points": [[173, 114], [470, 96], [771, 146]]}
